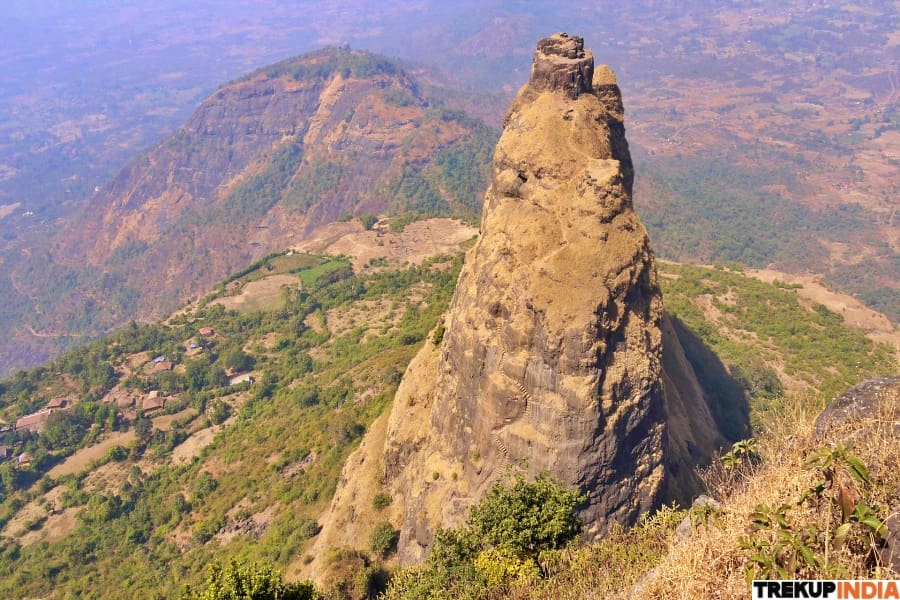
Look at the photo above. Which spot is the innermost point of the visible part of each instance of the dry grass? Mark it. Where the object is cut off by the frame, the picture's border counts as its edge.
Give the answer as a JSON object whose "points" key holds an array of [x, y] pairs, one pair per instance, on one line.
{"points": [[711, 564], [82, 459], [260, 295]]}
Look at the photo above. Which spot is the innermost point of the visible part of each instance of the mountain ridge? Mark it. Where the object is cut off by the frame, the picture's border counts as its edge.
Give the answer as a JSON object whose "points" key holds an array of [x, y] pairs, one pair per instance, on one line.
{"points": [[264, 161]]}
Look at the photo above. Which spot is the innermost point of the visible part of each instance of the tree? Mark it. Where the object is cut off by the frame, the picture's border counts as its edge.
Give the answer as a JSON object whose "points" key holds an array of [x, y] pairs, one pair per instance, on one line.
{"points": [[528, 517], [248, 581], [219, 411], [143, 427], [368, 221], [500, 542], [236, 359], [65, 429]]}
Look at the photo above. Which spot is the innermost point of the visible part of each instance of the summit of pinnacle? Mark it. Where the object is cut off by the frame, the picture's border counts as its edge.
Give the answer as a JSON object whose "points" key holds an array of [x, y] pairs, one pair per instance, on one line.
{"points": [[561, 63]]}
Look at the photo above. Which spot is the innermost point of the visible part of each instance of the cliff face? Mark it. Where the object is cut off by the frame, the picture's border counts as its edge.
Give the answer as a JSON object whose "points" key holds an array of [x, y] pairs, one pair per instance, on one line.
{"points": [[552, 356]]}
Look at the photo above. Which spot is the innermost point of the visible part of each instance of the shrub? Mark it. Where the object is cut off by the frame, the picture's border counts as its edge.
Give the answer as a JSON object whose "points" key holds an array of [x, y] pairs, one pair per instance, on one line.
{"points": [[384, 539], [116, 453], [219, 411], [500, 566], [253, 581], [308, 528], [529, 517], [368, 221], [500, 543]]}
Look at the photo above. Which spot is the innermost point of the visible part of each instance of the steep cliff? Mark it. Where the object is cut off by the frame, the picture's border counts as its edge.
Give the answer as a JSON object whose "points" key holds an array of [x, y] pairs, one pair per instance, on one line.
{"points": [[552, 356]]}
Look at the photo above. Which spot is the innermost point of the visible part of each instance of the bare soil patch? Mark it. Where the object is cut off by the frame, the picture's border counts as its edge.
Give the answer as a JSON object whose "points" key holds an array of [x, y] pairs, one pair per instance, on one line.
{"points": [[263, 294], [314, 322], [185, 452], [365, 313], [80, 461], [57, 526], [16, 527], [417, 242], [106, 478]]}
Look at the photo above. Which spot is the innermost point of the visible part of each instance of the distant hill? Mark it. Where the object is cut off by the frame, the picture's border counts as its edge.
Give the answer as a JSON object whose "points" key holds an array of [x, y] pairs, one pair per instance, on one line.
{"points": [[330, 135]]}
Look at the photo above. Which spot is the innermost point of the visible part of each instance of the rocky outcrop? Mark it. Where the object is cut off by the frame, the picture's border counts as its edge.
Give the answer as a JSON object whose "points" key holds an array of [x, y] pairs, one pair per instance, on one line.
{"points": [[862, 401], [552, 355], [562, 64]]}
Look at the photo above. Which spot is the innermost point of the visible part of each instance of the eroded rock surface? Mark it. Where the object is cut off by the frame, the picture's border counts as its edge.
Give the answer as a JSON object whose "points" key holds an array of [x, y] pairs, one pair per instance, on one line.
{"points": [[552, 356]]}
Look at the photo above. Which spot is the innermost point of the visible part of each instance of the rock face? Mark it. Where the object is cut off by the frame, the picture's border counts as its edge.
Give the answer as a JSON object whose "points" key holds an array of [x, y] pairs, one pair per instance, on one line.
{"points": [[551, 357], [561, 63], [552, 354], [859, 402]]}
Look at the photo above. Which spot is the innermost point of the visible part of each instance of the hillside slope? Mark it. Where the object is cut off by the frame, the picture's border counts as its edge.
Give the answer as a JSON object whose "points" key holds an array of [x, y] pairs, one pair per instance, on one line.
{"points": [[263, 162], [106, 500]]}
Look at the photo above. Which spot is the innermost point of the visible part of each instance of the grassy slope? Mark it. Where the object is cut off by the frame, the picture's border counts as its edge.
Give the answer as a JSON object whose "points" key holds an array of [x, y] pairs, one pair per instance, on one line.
{"points": [[272, 467], [267, 473]]}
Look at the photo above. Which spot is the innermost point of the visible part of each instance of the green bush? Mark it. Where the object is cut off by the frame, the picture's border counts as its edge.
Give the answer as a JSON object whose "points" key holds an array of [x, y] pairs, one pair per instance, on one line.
{"points": [[368, 221], [381, 500], [384, 539], [500, 543], [529, 517], [253, 581]]}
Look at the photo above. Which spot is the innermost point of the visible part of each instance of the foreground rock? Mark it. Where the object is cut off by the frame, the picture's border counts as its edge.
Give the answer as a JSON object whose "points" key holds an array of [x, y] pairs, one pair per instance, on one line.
{"points": [[862, 401]]}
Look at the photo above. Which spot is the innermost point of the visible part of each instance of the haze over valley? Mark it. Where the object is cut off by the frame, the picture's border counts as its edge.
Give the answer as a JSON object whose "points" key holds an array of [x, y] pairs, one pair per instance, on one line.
{"points": [[425, 300]]}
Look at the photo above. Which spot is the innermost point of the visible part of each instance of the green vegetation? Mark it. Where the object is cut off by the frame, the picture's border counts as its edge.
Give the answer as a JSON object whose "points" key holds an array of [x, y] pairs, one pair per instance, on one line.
{"points": [[241, 581], [713, 210], [384, 539], [412, 192], [259, 193], [266, 477], [502, 542], [463, 169], [315, 179], [758, 326], [781, 549]]}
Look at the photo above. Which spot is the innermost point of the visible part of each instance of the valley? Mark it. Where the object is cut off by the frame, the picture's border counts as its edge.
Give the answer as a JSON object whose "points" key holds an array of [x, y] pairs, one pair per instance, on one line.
{"points": [[273, 450], [357, 326]]}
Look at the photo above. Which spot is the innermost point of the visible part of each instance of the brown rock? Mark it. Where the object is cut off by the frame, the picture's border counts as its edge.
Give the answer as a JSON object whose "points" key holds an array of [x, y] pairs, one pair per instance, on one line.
{"points": [[859, 402], [551, 357], [562, 64], [552, 354]]}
